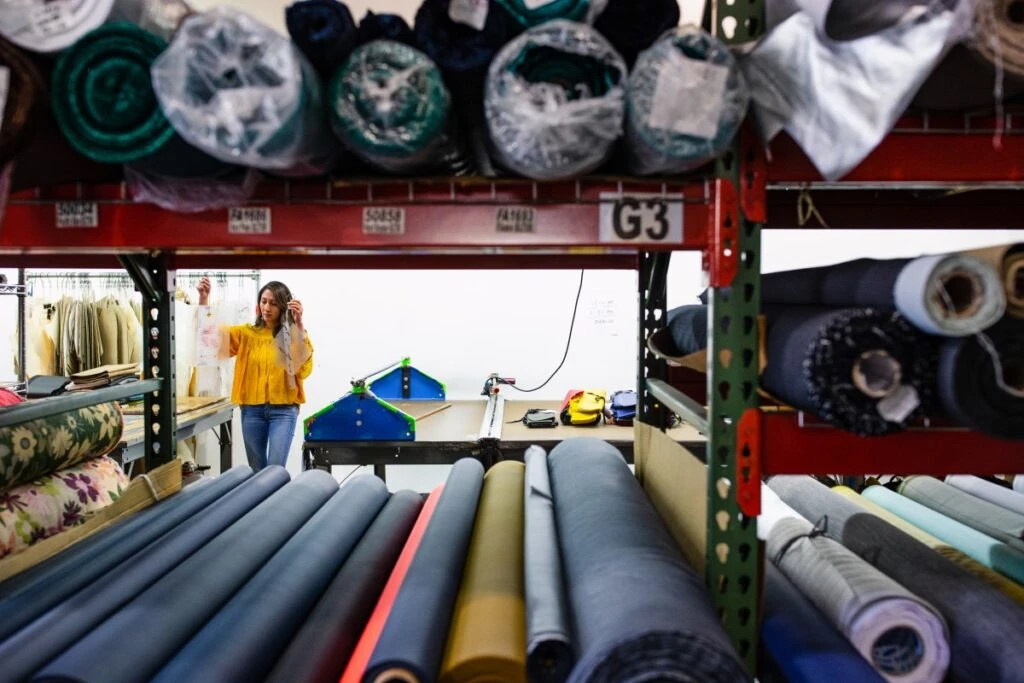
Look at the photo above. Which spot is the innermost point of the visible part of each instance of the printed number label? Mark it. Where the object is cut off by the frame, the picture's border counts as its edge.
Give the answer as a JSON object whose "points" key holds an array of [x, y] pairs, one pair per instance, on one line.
{"points": [[383, 221], [516, 219], [78, 215], [249, 220], [642, 218], [48, 18]]}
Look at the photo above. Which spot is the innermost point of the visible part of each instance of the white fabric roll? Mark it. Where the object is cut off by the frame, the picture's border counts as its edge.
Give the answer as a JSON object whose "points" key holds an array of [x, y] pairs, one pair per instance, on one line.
{"points": [[49, 27], [773, 509], [986, 490], [1018, 483], [977, 294]]}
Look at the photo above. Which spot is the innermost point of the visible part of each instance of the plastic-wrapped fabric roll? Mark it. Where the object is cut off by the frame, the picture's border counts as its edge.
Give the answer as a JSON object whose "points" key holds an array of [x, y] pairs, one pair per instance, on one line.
{"points": [[412, 642], [685, 102], [50, 27], [215, 572], [389, 105], [632, 26], [530, 13], [1003, 496], [385, 26], [864, 371], [487, 636], [989, 519], [1008, 260], [321, 647], [985, 628], [58, 629], [804, 644], [244, 94], [26, 95], [639, 612], [264, 615], [555, 101], [842, 19], [325, 32], [549, 647], [978, 392]]}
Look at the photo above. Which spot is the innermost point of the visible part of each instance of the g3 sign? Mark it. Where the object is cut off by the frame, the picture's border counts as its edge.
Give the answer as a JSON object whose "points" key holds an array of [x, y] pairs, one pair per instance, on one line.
{"points": [[639, 218]]}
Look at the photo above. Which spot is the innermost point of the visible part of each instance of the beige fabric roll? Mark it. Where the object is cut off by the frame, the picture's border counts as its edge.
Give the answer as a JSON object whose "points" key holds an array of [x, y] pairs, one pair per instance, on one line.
{"points": [[1008, 260]]}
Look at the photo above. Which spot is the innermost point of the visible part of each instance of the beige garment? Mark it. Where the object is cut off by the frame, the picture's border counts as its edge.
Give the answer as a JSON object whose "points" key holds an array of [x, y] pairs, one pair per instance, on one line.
{"points": [[107, 322]]}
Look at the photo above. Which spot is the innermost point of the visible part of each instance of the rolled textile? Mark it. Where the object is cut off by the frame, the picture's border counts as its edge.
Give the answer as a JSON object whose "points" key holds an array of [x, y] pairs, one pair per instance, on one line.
{"points": [[639, 612], [842, 19], [54, 631], [998, 34], [462, 38], [265, 614], [685, 103], [389, 105], [325, 32], [985, 628], [487, 635], [50, 27], [411, 645], [34, 449], [1018, 483], [244, 94], [868, 372], [549, 647], [384, 26], [804, 644], [216, 572], [631, 26], [1008, 261], [976, 513], [981, 380], [323, 644], [530, 13], [1003, 496], [555, 101], [25, 96]]}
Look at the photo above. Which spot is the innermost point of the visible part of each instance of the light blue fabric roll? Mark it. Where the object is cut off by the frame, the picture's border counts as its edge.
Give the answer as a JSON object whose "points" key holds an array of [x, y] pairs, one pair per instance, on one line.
{"points": [[1002, 496]]}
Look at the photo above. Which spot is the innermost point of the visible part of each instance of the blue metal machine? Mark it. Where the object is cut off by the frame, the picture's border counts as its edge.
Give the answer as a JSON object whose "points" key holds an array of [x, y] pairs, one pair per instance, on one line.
{"points": [[406, 383]]}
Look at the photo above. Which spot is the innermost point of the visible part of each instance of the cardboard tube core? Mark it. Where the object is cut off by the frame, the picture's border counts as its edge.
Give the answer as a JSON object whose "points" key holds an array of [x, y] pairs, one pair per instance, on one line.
{"points": [[1015, 284], [960, 293], [396, 675], [876, 373]]}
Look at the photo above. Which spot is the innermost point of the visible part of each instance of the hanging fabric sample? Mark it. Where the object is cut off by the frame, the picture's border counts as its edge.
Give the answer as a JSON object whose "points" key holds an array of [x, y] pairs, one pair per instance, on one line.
{"points": [[631, 26], [325, 32], [685, 102], [50, 27], [1003, 496], [244, 94], [25, 95], [988, 518], [555, 101]]}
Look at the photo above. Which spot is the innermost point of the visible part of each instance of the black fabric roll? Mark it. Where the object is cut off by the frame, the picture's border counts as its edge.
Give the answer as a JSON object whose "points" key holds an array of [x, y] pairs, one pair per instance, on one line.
{"points": [[24, 598], [164, 617], [324, 31], [969, 385], [688, 330], [324, 643], [862, 282], [632, 26], [264, 615], [385, 27], [54, 631], [416, 631], [639, 612], [985, 628], [460, 51]]}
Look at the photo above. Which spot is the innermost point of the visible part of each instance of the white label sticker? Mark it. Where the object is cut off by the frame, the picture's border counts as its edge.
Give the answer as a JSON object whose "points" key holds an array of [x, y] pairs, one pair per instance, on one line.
{"points": [[898, 405], [515, 219], [641, 218], [49, 17], [469, 12], [78, 215], [688, 96], [383, 220], [5, 81], [249, 220]]}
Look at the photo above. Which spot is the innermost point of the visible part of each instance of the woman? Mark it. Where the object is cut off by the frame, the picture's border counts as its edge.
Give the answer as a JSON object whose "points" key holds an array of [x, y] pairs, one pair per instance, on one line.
{"points": [[274, 356]]}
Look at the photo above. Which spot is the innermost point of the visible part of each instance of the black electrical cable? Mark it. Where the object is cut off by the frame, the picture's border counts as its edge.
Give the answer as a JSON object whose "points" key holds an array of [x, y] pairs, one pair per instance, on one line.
{"points": [[568, 342]]}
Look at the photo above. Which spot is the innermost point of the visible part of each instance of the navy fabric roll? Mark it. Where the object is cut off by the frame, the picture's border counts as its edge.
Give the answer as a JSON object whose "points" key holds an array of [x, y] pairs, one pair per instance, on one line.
{"points": [[264, 615], [171, 611], [462, 52], [324, 643], [639, 612], [413, 640], [24, 598], [324, 31], [385, 27], [688, 330], [31, 648], [802, 642], [633, 25]]}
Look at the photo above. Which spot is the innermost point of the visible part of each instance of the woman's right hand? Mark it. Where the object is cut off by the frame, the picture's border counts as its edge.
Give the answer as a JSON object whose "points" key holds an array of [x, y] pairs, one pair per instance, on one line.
{"points": [[204, 291]]}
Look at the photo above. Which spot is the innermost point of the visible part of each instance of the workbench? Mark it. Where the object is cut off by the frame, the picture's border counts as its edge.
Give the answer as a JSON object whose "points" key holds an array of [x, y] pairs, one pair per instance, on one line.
{"points": [[194, 415]]}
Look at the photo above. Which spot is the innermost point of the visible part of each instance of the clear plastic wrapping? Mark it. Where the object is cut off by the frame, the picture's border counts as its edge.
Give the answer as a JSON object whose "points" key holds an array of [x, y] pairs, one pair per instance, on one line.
{"points": [[555, 101], [685, 102], [244, 94], [190, 195]]}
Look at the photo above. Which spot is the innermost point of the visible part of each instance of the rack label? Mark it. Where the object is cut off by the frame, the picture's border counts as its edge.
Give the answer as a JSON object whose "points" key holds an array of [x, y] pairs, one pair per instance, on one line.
{"points": [[641, 218], [249, 220], [384, 220], [515, 219], [78, 215]]}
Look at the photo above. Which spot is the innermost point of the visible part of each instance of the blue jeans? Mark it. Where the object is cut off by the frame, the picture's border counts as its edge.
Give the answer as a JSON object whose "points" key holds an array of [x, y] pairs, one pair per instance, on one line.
{"points": [[267, 431]]}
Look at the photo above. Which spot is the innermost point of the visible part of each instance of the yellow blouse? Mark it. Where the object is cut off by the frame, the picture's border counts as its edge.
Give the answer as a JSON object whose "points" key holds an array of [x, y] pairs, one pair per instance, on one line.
{"points": [[259, 375]]}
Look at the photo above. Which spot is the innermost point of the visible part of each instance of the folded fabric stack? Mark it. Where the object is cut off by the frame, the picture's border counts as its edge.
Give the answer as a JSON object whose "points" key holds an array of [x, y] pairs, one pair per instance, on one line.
{"points": [[104, 376]]}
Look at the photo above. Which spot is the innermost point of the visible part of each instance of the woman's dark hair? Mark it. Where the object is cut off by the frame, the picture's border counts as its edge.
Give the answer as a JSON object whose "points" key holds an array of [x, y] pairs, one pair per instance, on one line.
{"points": [[282, 295]]}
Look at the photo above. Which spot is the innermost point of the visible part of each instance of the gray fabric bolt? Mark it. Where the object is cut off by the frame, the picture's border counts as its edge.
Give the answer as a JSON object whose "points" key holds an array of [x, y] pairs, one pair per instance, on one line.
{"points": [[1004, 497], [988, 518]]}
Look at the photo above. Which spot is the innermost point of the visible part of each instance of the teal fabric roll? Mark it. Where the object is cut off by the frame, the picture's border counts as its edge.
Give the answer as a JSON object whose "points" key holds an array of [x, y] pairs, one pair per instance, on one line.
{"points": [[529, 13], [988, 551], [685, 102]]}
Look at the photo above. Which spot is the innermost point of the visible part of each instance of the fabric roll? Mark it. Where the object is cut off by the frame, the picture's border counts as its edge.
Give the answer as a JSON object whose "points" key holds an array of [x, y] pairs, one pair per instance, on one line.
{"points": [[461, 40], [264, 615], [639, 612], [631, 26], [998, 35], [1003, 496], [842, 19], [58, 629], [325, 32], [530, 13], [1018, 483], [390, 107], [985, 628], [34, 449], [385, 26], [52, 26], [555, 101], [487, 636], [868, 372], [1008, 261], [318, 651], [804, 644], [216, 571], [411, 645], [989, 519], [549, 647], [244, 94], [26, 95], [685, 103]]}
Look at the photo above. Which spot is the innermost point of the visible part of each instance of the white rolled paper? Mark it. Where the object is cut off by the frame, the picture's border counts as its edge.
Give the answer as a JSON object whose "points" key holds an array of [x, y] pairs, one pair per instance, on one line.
{"points": [[952, 295]]}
